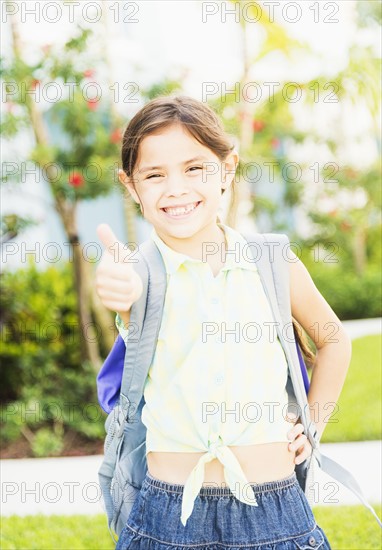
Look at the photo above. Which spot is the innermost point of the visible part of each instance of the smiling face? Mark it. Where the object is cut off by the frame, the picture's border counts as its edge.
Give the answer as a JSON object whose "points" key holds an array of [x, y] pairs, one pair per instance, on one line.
{"points": [[178, 182]]}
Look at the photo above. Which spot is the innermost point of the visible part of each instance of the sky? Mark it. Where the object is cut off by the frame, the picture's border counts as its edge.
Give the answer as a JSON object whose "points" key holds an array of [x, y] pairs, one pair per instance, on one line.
{"points": [[151, 38], [148, 40]]}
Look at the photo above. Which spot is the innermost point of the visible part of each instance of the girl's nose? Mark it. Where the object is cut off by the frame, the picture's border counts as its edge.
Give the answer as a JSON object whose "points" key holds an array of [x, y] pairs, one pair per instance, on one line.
{"points": [[176, 186]]}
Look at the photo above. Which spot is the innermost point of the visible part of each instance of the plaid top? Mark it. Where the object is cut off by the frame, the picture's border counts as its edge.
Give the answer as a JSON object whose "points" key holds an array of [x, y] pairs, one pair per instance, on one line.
{"points": [[219, 373]]}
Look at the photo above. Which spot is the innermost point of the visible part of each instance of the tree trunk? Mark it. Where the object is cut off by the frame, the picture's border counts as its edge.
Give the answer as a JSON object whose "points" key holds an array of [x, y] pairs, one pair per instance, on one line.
{"points": [[103, 317], [106, 329], [241, 190], [130, 218], [128, 202], [88, 335], [67, 212], [359, 249]]}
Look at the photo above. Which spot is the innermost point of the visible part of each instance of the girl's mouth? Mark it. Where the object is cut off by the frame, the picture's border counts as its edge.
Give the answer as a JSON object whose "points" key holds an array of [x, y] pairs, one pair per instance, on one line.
{"points": [[181, 212]]}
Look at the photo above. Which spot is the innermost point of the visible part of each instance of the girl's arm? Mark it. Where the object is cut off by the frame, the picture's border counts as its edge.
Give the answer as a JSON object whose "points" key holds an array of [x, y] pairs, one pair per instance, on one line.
{"points": [[333, 344]]}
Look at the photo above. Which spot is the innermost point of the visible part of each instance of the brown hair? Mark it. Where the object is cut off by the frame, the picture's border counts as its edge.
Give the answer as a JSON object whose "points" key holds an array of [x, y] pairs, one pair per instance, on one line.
{"points": [[301, 337], [198, 118]]}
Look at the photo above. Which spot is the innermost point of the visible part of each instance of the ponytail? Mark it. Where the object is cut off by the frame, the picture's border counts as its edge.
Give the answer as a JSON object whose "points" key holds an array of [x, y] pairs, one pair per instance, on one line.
{"points": [[302, 340]]}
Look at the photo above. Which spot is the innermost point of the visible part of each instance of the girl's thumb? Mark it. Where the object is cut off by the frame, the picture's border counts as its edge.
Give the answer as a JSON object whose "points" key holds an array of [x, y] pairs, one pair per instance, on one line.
{"points": [[110, 241]]}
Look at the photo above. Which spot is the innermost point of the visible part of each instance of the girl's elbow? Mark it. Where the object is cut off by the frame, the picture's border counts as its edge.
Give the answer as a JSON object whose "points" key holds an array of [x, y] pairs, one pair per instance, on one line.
{"points": [[345, 342], [340, 343]]}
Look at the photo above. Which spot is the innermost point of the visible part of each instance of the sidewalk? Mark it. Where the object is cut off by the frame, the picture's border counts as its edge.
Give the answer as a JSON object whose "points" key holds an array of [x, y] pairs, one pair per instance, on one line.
{"points": [[69, 485], [363, 327]]}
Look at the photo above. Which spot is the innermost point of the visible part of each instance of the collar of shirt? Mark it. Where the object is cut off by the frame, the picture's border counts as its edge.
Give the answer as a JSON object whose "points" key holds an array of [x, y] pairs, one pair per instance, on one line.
{"points": [[238, 254]]}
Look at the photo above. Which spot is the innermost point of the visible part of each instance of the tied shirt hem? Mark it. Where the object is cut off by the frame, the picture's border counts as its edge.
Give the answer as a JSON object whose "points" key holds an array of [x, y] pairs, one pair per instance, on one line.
{"points": [[233, 475]]}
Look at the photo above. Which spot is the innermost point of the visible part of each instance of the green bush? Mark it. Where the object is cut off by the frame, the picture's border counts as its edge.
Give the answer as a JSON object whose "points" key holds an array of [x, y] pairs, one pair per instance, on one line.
{"points": [[46, 443], [349, 295], [46, 390]]}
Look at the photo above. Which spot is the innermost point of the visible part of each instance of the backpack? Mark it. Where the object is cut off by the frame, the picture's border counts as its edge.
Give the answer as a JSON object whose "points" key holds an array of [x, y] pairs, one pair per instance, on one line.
{"points": [[124, 464]]}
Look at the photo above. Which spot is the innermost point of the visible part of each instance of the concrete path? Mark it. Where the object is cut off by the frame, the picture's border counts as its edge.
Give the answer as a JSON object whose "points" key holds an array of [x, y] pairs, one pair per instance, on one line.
{"points": [[69, 485], [363, 327], [65, 485]]}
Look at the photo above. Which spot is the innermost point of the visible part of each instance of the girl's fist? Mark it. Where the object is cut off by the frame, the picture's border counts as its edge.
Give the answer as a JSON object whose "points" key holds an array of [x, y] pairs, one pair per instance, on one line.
{"points": [[117, 283]]}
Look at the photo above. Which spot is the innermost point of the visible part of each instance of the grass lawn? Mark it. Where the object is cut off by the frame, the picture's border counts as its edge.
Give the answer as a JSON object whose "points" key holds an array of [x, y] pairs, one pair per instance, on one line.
{"points": [[359, 405], [65, 532], [350, 527], [347, 527]]}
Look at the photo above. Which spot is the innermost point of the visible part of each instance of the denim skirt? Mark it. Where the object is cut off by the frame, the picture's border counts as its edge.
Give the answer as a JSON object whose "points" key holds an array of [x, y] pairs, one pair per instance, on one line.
{"points": [[283, 519]]}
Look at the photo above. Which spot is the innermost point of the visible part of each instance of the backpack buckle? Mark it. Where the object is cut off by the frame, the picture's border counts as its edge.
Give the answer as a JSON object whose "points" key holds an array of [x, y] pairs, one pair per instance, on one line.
{"points": [[313, 434], [120, 422], [121, 416]]}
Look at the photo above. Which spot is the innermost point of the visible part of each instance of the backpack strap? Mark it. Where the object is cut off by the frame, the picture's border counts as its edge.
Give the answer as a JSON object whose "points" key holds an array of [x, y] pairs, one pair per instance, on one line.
{"points": [[273, 266], [278, 271], [145, 320], [274, 275]]}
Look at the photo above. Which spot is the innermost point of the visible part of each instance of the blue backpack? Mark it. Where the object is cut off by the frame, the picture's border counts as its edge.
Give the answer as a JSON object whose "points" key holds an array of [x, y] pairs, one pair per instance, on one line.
{"points": [[124, 465]]}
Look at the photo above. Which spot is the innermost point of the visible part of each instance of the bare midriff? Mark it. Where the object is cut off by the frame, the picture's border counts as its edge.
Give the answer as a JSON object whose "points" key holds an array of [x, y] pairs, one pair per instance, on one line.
{"points": [[259, 462]]}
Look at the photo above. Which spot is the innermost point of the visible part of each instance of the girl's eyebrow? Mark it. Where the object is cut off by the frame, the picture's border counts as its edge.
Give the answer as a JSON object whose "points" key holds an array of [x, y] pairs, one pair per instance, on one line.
{"points": [[148, 168]]}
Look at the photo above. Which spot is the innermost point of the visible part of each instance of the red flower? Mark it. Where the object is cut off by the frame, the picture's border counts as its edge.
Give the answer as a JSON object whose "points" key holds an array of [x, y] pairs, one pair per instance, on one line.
{"points": [[116, 136], [275, 142], [76, 179], [92, 104], [89, 73], [345, 226], [350, 173], [258, 125], [35, 83]]}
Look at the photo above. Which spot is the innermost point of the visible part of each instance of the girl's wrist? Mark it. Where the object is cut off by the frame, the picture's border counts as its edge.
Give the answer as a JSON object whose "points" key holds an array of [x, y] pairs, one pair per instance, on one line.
{"points": [[124, 317]]}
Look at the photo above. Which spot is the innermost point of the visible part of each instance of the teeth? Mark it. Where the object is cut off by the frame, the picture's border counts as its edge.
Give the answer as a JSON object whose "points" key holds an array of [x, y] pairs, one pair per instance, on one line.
{"points": [[180, 211]]}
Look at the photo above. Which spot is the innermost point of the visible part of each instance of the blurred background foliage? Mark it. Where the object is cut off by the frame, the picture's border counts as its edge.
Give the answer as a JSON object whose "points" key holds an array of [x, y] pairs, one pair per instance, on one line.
{"points": [[48, 395], [46, 360]]}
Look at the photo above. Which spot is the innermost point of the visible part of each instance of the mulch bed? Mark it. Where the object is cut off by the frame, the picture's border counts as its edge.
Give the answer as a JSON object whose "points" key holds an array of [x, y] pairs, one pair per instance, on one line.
{"points": [[74, 445]]}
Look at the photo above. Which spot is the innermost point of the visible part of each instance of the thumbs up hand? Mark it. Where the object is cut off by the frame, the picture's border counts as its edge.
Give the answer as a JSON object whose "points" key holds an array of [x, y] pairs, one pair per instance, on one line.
{"points": [[117, 283]]}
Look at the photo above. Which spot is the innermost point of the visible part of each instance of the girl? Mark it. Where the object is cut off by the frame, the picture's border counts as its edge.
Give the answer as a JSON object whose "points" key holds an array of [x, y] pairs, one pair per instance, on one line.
{"points": [[210, 388]]}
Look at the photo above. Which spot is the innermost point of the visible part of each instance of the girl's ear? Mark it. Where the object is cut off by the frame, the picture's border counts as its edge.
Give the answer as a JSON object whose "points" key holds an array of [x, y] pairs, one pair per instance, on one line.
{"points": [[128, 183], [229, 169]]}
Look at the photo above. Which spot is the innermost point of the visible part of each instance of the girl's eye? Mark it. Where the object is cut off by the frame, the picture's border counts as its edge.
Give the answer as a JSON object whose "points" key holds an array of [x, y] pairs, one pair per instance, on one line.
{"points": [[193, 168]]}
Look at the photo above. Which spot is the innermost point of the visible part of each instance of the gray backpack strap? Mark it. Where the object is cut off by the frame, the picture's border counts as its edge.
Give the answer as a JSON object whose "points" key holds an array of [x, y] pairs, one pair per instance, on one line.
{"points": [[274, 272], [145, 319], [268, 255]]}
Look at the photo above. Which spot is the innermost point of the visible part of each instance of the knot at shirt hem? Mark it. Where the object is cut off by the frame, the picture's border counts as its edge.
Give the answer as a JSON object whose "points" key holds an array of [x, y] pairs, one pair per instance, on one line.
{"points": [[233, 474]]}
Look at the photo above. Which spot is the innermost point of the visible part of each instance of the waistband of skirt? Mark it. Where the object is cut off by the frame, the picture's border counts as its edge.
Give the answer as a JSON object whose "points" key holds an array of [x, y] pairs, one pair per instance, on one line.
{"points": [[214, 489]]}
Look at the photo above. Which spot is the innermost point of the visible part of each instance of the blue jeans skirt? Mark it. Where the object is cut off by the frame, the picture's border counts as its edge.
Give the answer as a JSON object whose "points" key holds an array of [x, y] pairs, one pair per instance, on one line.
{"points": [[283, 519]]}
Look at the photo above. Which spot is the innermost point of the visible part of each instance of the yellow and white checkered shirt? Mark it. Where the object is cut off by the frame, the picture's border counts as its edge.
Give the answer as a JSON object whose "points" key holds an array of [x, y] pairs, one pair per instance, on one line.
{"points": [[219, 373]]}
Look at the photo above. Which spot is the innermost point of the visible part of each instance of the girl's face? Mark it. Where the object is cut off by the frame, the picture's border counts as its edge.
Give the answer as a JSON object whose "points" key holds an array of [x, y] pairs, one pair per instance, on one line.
{"points": [[178, 182]]}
